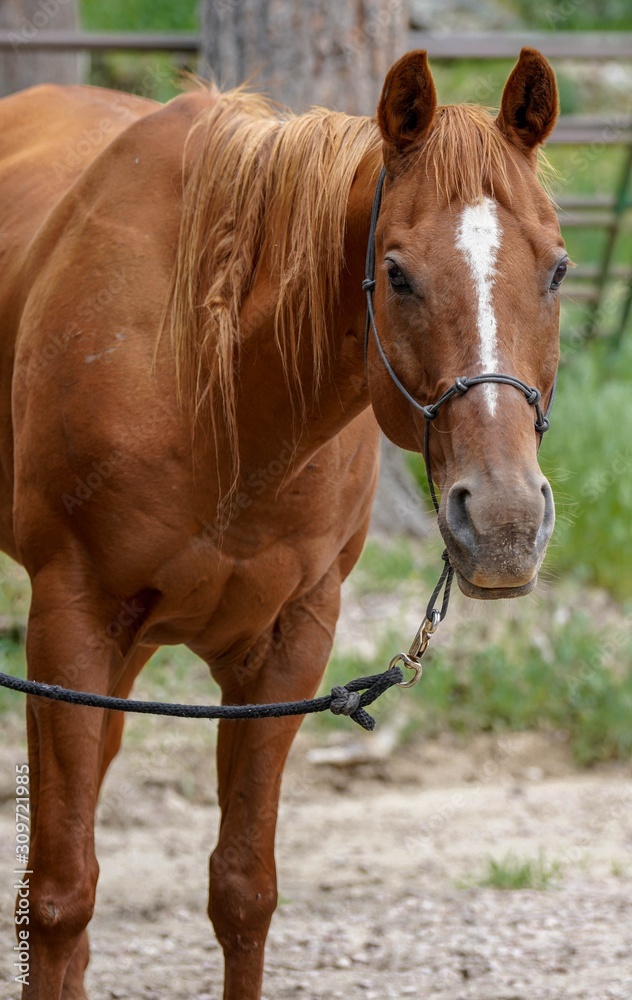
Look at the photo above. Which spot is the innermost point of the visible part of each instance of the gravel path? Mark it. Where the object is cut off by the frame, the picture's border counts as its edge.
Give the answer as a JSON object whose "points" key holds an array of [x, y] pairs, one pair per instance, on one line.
{"points": [[377, 870]]}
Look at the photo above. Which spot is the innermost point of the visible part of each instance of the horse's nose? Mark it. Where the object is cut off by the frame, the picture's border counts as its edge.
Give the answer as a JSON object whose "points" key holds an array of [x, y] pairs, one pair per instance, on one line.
{"points": [[498, 530]]}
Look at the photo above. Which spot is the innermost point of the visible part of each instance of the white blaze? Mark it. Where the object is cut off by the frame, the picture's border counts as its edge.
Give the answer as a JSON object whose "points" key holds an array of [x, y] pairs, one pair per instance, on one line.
{"points": [[478, 237]]}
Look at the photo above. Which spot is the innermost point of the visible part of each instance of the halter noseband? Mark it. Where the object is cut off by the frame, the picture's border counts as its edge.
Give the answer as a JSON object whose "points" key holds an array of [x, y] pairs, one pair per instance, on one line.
{"points": [[430, 411]]}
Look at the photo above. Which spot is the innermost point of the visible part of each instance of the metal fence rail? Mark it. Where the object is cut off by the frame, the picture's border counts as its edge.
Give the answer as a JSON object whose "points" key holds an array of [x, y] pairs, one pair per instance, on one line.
{"points": [[493, 45]]}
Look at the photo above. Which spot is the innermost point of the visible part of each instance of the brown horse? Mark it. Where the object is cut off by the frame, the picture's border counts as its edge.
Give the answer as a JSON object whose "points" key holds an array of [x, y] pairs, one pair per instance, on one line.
{"points": [[189, 451]]}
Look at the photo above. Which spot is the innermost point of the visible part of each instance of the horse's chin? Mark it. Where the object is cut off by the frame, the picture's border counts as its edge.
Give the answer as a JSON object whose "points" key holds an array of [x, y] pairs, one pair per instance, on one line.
{"points": [[493, 593]]}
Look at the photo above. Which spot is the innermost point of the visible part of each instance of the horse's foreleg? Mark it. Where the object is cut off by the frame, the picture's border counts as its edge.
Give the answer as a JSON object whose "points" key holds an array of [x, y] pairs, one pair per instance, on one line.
{"points": [[112, 734], [68, 641], [251, 756]]}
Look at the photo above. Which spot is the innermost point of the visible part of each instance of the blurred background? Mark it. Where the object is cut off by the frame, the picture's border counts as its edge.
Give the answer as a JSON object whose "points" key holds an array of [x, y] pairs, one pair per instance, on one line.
{"points": [[566, 650]]}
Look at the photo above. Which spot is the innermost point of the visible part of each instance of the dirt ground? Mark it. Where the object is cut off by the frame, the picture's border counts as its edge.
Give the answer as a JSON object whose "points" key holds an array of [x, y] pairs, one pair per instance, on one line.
{"points": [[377, 862]]}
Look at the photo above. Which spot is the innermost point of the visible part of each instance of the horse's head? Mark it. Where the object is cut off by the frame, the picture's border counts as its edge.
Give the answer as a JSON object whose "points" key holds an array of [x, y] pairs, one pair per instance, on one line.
{"points": [[469, 259]]}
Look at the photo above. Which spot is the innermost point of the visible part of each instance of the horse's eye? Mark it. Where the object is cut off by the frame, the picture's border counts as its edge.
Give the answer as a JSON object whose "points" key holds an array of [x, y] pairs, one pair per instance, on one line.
{"points": [[396, 276], [560, 274]]}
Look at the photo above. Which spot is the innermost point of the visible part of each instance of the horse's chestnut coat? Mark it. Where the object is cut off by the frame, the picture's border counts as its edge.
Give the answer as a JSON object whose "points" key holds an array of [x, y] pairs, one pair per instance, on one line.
{"points": [[181, 288]]}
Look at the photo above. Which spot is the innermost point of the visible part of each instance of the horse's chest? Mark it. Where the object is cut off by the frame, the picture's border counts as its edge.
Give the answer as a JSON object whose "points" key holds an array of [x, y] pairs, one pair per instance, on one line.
{"points": [[223, 612]]}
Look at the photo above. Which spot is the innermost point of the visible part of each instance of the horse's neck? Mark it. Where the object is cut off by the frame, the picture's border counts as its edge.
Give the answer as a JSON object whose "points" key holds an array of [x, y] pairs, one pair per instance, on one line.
{"points": [[270, 415]]}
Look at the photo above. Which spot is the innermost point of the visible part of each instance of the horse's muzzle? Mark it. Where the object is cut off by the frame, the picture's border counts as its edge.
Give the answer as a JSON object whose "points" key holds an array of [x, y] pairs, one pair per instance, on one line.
{"points": [[496, 533]]}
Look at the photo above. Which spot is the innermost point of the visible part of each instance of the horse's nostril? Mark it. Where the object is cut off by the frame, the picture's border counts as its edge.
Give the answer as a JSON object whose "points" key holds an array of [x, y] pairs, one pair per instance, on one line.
{"points": [[458, 514], [548, 519]]}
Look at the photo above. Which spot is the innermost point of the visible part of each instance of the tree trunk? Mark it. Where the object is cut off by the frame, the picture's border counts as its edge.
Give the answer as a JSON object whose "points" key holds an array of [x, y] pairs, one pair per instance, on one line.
{"points": [[312, 52], [400, 507], [337, 55], [26, 19]]}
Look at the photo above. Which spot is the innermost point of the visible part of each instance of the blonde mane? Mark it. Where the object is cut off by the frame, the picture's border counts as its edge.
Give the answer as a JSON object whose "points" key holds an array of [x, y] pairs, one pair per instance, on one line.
{"points": [[271, 187], [468, 154], [263, 187]]}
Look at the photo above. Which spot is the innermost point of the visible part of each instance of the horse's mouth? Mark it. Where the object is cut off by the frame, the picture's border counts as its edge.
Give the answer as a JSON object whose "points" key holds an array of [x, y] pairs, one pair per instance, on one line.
{"points": [[494, 593]]}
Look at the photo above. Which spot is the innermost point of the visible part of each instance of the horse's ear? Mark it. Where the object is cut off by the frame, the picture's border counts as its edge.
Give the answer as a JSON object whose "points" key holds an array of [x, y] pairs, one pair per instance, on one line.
{"points": [[407, 103], [529, 106]]}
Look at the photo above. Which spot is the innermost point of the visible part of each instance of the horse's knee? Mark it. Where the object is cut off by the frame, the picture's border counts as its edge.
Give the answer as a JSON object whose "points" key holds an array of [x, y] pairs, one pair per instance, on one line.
{"points": [[61, 905], [241, 903]]}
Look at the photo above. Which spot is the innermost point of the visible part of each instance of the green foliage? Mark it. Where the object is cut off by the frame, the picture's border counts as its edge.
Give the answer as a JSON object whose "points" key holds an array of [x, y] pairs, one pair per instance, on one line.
{"points": [[574, 15], [153, 75], [383, 566], [548, 669], [588, 457], [139, 15], [12, 661], [511, 685], [510, 872]]}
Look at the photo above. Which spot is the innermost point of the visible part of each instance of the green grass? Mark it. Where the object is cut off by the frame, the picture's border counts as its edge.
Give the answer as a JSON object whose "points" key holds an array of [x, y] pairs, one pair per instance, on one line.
{"points": [[514, 873], [384, 565], [618, 869], [511, 685], [588, 457], [550, 666], [503, 689]]}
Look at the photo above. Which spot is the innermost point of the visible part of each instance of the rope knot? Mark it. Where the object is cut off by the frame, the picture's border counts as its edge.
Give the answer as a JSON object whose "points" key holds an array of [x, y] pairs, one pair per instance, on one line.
{"points": [[542, 425], [460, 386], [429, 412], [533, 396], [368, 285], [344, 701]]}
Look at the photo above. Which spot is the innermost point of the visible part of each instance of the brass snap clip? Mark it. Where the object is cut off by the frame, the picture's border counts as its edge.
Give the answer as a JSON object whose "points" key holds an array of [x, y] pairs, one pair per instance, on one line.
{"points": [[412, 659]]}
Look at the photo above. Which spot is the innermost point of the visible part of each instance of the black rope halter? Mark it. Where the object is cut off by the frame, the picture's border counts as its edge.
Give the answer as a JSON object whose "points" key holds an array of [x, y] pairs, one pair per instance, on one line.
{"points": [[429, 411]]}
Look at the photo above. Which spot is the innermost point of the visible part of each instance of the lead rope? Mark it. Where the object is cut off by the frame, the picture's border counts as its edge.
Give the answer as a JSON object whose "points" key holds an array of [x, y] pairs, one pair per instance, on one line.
{"points": [[434, 616], [349, 699]]}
